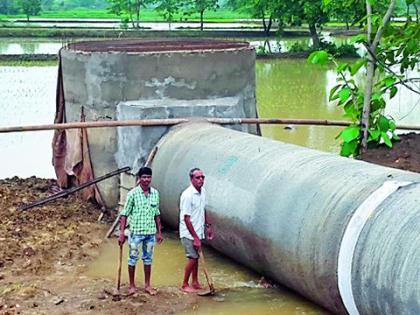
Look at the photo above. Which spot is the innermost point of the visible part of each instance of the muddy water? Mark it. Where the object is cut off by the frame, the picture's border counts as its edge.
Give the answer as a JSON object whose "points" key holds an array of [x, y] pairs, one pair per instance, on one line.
{"points": [[239, 289]]}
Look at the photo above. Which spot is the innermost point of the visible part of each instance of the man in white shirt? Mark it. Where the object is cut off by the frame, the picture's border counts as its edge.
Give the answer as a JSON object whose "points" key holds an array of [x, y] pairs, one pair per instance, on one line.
{"points": [[193, 222]]}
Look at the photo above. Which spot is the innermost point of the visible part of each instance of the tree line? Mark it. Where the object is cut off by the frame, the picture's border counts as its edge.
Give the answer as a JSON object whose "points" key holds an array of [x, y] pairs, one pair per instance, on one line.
{"points": [[313, 13]]}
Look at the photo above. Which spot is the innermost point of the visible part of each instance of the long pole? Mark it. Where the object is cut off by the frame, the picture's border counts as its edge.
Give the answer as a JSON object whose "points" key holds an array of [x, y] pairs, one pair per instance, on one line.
{"points": [[74, 189], [175, 121]]}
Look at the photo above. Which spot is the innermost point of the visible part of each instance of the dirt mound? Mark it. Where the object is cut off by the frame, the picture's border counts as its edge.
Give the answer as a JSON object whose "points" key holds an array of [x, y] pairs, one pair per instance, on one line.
{"points": [[405, 154], [33, 236], [45, 251]]}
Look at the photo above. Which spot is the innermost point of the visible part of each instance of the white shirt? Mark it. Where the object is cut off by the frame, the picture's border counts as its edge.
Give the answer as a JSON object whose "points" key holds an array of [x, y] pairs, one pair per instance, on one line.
{"points": [[192, 203]]}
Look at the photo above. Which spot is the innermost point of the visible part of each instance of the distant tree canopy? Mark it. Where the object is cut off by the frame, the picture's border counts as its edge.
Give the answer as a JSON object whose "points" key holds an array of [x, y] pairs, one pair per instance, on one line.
{"points": [[268, 11], [168, 8], [30, 7], [8, 7], [131, 8]]}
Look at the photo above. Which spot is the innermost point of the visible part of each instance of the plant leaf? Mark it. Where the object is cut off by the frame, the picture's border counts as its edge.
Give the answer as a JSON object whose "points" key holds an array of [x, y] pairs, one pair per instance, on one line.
{"points": [[387, 141], [318, 57], [344, 94], [349, 148], [392, 125], [342, 67], [356, 66], [394, 91], [383, 123], [350, 133], [358, 38], [374, 134]]}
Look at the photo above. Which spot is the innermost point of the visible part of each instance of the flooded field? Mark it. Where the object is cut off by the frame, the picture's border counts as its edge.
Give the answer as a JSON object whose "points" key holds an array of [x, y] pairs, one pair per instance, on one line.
{"points": [[285, 89], [27, 96]]}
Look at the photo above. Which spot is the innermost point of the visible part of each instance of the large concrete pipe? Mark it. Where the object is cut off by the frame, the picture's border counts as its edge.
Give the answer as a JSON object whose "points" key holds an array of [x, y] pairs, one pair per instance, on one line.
{"points": [[343, 233]]}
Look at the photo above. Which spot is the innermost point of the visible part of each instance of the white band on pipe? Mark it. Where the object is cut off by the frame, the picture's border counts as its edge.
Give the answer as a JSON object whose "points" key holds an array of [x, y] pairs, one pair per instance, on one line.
{"points": [[351, 235]]}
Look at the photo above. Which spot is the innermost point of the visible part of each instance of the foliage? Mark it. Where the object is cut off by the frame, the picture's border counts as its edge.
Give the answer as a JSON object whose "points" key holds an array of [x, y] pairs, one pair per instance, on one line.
{"points": [[8, 7], [312, 12], [199, 6], [298, 46], [344, 50], [129, 8], [347, 12], [266, 10], [399, 47], [30, 7], [168, 9]]}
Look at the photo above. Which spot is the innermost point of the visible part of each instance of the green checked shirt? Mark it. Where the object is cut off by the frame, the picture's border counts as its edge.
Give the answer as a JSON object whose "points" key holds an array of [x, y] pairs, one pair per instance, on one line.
{"points": [[141, 210]]}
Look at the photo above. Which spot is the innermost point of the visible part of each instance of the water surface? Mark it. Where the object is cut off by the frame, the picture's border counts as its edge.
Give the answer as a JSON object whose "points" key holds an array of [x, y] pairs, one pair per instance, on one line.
{"points": [[239, 290], [27, 97]]}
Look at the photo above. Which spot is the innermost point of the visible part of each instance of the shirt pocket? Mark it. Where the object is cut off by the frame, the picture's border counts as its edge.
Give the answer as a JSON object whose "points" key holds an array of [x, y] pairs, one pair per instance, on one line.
{"points": [[195, 203]]}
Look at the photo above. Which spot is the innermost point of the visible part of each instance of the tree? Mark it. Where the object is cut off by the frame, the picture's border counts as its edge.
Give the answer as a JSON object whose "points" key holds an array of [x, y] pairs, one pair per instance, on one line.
{"points": [[388, 46], [168, 8], [30, 7], [312, 12], [344, 11], [267, 10], [128, 7], [200, 6]]}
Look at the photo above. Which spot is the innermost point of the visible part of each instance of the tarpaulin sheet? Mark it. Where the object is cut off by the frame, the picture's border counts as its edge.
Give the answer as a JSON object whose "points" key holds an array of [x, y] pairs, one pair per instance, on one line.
{"points": [[71, 156]]}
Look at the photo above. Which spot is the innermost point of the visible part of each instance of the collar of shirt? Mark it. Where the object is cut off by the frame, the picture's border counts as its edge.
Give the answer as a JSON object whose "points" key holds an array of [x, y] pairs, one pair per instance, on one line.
{"points": [[195, 191], [142, 191]]}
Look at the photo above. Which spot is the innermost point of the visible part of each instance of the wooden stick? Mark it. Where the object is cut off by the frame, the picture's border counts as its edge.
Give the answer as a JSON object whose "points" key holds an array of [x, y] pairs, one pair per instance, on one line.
{"points": [[176, 121], [206, 273], [119, 268], [74, 189]]}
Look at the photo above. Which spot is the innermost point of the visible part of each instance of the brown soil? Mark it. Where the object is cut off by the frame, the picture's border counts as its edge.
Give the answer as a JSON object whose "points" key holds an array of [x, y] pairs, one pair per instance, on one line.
{"points": [[405, 154], [45, 251]]}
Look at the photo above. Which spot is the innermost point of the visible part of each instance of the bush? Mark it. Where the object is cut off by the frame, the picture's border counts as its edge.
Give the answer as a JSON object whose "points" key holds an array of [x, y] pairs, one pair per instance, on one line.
{"points": [[299, 47], [347, 50]]}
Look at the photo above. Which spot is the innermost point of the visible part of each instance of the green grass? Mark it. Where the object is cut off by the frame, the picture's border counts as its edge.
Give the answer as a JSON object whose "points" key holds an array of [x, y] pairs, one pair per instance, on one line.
{"points": [[145, 15], [27, 63]]}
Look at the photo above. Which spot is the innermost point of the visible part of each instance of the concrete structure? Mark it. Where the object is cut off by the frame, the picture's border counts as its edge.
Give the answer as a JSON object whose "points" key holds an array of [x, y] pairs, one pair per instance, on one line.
{"points": [[109, 77], [343, 233]]}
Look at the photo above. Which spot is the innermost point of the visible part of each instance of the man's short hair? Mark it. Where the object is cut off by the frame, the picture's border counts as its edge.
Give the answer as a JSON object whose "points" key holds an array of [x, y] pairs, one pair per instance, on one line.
{"points": [[144, 171], [193, 170]]}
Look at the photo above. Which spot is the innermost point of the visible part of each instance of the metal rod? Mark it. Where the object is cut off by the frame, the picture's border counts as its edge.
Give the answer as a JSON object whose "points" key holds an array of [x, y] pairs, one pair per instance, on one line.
{"points": [[175, 121], [74, 189]]}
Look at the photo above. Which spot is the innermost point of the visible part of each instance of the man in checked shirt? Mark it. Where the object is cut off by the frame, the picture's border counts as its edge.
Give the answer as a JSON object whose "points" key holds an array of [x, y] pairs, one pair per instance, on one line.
{"points": [[141, 210]]}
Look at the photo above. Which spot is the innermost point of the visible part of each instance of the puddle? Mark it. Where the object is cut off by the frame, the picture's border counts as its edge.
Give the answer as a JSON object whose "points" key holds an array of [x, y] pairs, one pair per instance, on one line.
{"points": [[238, 289]]}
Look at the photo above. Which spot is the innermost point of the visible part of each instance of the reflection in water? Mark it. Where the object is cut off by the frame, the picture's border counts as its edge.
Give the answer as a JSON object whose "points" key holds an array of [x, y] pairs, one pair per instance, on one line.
{"points": [[288, 88], [294, 89], [12, 46], [26, 98], [237, 287]]}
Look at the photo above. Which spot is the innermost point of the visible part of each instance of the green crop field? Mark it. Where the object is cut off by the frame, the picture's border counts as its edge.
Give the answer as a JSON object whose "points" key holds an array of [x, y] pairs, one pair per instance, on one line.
{"points": [[145, 15]]}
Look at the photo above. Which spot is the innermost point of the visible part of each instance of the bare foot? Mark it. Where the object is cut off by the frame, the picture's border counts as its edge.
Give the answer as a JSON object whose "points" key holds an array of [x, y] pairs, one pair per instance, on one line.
{"points": [[197, 286], [150, 290], [132, 290], [188, 289]]}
